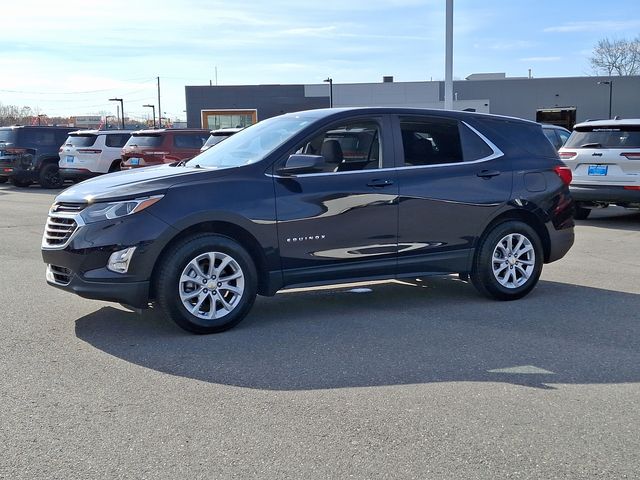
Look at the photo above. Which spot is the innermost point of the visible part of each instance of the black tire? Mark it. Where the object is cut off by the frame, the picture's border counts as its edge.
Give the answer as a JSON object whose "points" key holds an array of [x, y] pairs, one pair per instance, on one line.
{"points": [[19, 182], [115, 166], [482, 274], [581, 213], [3, 179], [49, 176], [169, 285]]}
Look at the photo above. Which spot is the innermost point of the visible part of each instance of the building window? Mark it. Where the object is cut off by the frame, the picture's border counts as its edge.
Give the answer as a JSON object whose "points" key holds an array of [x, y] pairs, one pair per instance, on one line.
{"points": [[215, 119]]}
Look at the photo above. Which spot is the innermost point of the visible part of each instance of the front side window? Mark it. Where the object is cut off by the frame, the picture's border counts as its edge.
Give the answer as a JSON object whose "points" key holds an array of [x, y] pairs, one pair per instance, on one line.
{"points": [[347, 147]]}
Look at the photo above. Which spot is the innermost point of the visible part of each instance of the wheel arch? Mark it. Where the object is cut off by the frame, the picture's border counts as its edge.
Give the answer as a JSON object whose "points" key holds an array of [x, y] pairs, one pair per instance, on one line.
{"points": [[227, 229], [525, 216]]}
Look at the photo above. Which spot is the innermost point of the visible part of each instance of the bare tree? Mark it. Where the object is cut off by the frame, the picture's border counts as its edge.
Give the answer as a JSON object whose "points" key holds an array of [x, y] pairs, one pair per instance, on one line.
{"points": [[616, 57]]}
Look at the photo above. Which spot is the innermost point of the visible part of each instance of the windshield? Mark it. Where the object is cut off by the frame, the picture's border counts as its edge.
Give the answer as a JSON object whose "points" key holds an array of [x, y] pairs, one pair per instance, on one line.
{"points": [[253, 143], [81, 140], [605, 137], [8, 136], [144, 141]]}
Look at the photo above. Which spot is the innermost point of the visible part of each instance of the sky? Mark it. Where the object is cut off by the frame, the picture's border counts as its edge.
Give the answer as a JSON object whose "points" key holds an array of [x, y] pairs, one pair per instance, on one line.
{"points": [[68, 58]]}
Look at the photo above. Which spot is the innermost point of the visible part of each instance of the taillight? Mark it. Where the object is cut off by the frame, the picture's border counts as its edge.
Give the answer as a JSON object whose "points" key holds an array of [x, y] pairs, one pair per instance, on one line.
{"points": [[632, 187], [567, 155], [88, 150], [631, 155], [564, 173], [16, 151]]}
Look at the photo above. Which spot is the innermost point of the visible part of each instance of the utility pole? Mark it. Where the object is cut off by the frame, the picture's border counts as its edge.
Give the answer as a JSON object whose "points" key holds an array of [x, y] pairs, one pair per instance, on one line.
{"points": [[448, 58], [159, 107]]}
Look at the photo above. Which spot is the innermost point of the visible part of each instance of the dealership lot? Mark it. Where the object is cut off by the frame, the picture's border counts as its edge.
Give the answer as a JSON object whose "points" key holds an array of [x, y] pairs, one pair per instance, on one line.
{"points": [[420, 379]]}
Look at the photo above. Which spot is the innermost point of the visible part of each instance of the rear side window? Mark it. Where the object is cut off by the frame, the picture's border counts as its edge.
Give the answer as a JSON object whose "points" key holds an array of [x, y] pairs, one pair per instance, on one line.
{"points": [[39, 138], [627, 136], [116, 140], [430, 141], [188, 141], [526, 136], [8, 136], [144, 141], [81, 140]]}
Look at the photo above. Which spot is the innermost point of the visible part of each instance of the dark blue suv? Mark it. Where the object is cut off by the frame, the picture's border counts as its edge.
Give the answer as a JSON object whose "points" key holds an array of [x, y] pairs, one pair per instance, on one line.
{"points": [[318, 197]]}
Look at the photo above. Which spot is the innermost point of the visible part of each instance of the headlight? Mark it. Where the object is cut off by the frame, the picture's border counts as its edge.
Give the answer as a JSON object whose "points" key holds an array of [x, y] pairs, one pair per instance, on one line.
{"points": [[110, 210]]}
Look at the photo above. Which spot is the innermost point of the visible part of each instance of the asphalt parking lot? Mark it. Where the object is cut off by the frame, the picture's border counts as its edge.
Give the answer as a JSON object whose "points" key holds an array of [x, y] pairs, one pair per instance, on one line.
{"points": [[420, 379]]}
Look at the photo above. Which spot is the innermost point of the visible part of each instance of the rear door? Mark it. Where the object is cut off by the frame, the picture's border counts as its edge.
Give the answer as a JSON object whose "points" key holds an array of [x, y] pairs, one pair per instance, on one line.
{"points": [[451, 180], [340, 223]]}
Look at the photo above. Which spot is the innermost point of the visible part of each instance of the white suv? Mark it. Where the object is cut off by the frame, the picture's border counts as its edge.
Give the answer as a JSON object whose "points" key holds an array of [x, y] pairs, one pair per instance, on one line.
{"points": [[87, 153], [604, 157]]}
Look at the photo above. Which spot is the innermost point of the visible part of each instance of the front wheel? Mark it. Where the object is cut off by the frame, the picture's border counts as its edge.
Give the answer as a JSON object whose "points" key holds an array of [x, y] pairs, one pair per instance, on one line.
{"points": [[207, 284], [508, 262]]}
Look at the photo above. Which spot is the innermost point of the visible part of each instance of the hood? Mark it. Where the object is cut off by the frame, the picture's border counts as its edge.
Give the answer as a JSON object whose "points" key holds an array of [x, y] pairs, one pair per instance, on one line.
{"points": [[135, 183]]}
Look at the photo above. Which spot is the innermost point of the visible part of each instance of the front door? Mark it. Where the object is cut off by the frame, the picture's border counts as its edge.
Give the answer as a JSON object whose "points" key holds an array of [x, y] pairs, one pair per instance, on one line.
{"points": [[340, 223]]}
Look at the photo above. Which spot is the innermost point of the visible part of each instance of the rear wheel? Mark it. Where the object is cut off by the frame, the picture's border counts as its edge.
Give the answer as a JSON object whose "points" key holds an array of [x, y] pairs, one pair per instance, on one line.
{"points": [[207, 284], [19, 182], [581, 213], [508, 262], [49, 176]]}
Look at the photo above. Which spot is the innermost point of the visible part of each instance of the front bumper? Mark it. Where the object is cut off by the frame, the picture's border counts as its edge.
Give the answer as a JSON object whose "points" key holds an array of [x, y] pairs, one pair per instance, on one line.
{"points": [[604, 194], [135, 294], [80, 267]]}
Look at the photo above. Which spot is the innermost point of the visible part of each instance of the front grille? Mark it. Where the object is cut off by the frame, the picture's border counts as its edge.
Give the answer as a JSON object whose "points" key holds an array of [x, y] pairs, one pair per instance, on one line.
{"points": [[60, 275], [59, 230], [67, 207]]}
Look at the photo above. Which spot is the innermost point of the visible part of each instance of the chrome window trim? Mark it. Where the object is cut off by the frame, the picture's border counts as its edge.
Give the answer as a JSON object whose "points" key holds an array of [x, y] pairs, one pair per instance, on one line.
{"points": [[497, 153]]}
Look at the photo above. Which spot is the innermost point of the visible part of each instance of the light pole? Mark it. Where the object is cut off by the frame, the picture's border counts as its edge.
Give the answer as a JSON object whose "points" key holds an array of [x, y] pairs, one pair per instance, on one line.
{"points": [[121, 110], [40, 115], [610, 83], [154, 113], [330, 81]]}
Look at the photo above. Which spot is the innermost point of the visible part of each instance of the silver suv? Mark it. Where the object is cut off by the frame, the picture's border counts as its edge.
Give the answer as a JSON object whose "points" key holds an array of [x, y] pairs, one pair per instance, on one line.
{"points": [[604, 157]]}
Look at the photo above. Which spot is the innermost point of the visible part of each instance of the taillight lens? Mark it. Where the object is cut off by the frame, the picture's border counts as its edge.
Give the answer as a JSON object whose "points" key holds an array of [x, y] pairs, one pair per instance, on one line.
{"points": [[632, 187], [567, 155], [631, 155], [564, 173]]}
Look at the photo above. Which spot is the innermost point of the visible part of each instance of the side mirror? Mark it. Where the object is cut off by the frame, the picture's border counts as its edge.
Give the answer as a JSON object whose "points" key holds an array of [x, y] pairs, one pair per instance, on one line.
{"points": [[301, 163]]}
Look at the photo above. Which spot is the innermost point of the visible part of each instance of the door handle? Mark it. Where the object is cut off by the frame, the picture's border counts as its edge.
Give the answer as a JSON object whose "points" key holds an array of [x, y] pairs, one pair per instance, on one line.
{"points": [[488, 173], [380, 183]]}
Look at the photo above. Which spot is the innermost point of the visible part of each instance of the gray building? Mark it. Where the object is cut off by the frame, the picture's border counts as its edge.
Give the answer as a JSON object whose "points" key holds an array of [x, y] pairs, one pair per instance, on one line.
{"points": [[223, 106]]}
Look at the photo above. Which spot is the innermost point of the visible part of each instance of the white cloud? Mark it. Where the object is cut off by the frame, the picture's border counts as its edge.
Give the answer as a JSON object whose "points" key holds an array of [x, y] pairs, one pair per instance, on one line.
{"points": [[595, 25], [541, 59]]}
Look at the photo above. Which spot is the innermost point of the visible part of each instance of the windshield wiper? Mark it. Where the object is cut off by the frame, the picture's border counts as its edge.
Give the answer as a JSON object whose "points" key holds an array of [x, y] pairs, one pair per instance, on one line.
{"points": [[591, 145]]}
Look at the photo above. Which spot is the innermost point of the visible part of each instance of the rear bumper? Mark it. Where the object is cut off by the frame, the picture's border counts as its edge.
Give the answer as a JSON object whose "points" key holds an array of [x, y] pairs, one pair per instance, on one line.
{"points": [[604, 193], [77, 174], [560, 242]]}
